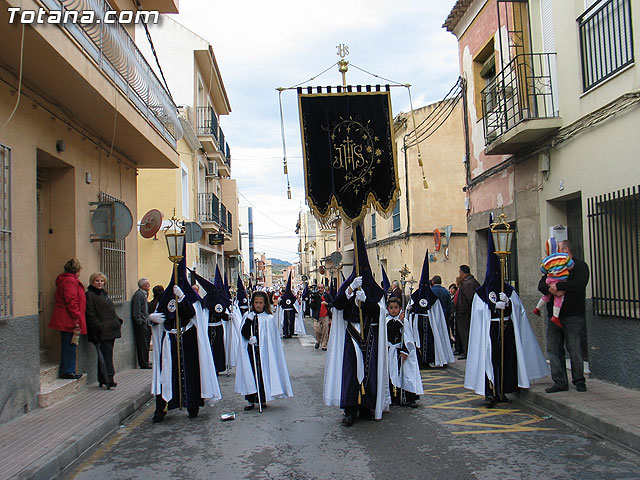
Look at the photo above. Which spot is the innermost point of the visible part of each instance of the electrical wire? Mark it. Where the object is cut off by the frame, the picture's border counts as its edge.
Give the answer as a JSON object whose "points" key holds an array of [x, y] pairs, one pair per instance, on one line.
{"points": [[267, 216], [155, 55], [19, 77]]}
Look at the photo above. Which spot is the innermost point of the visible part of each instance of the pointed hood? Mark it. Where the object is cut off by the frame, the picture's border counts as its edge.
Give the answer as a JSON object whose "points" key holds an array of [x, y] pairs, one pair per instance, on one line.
{"points": [[241, 294], [288, 298], [165, 304], [369, 285], [386, 284], [423, 297], [219, 283], [226, 286], [489, 291], [214, 300]]}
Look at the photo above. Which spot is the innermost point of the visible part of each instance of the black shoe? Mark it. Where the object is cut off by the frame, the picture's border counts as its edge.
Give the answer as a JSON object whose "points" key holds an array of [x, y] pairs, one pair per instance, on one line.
{"points": [[146, 367], [411, 404], [348, 419], [581, 387], [324, 349], [489, 401], [71, 376], [249, 407], [555, 388], [317, 345], [113, 384], [193, 412], [462, 357], [158, 417]]}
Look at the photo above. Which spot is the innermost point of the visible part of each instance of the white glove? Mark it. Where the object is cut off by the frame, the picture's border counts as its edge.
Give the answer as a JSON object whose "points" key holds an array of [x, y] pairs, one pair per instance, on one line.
{"points": [[253, 340], [504, 298], [361, 296], [177, 291], [501, 305], [356, 284], [157, 317]]}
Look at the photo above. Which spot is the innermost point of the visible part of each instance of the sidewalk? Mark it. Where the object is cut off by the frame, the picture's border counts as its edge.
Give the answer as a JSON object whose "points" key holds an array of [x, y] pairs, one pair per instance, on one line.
{"points": [[42, 443], [606, 409]]}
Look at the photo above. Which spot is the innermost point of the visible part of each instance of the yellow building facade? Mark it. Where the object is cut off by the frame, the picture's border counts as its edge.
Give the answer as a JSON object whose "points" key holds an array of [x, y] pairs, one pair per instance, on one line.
{"points": [[73, 132], [200, 190], [404, 237]]}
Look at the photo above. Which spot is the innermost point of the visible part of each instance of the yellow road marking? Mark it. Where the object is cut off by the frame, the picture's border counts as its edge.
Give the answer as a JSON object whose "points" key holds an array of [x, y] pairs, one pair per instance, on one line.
{"points": [[447, 385]]}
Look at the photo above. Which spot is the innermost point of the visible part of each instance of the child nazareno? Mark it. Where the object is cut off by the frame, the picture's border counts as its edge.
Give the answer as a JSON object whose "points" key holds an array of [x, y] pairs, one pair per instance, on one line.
{"points": [[556, 266], [262, 356], [404, 372]]}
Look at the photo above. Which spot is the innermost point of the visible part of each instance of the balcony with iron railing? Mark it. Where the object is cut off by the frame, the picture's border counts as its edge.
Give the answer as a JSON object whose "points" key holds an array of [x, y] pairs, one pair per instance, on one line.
{"points": [[212, 138], [519, 105], [223, 216], [117, 56], [208, 208], [207, 122]]}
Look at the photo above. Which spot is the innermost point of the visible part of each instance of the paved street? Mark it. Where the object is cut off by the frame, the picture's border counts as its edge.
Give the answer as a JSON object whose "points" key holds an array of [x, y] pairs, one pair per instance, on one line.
{"points": [[451, 436]]}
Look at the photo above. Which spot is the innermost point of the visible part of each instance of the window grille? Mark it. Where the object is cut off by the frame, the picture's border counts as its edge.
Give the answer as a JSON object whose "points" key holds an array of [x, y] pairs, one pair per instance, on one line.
{"points": [[113, 262], [606, 40], [615, 241], [5, 233]]}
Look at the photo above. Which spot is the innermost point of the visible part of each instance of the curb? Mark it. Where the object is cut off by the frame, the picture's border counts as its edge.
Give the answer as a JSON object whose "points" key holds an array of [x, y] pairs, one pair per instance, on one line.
{"points": [[611, 430], [623, 434], [53, 463]]}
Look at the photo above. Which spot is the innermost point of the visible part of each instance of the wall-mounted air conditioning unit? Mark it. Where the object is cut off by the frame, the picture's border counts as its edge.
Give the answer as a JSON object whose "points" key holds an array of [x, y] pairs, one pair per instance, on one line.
{"points": [[212, 169]]}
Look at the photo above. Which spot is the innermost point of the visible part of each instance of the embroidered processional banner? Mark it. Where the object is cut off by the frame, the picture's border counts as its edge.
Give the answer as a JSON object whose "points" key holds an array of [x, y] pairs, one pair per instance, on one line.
{"points": [[349, 152]]}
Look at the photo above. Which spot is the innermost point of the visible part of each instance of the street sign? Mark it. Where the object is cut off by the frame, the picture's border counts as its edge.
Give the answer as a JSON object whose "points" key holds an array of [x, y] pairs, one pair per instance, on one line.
{"points": [[216, 239]]}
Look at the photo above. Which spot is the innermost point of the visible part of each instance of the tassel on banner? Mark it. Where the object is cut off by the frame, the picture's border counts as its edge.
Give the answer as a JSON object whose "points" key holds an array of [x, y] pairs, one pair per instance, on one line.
{"points": [[284, 163], [288, 190]]}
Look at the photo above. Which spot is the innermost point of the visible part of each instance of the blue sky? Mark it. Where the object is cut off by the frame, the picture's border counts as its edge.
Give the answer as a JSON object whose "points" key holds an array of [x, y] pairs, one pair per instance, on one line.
{"points": [[263, 45]]}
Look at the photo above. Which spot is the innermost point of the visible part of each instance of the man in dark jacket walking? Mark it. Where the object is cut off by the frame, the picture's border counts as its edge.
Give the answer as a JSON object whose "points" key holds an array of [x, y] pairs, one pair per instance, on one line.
{"points": [[467, 290], [572, 317], [321, 303], [141, 328]]}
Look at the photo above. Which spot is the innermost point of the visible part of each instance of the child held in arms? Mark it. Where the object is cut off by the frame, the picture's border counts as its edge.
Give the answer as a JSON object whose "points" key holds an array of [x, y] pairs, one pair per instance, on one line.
{"points": [[556, 266]]}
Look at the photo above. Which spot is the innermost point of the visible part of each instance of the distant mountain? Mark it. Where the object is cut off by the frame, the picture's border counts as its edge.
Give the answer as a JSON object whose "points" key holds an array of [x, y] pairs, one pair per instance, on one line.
{"points": [[276, 262]]}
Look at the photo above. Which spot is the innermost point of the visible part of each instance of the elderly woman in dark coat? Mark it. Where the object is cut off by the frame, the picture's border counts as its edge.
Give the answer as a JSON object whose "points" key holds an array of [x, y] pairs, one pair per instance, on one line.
{"points": [[103, 327]]}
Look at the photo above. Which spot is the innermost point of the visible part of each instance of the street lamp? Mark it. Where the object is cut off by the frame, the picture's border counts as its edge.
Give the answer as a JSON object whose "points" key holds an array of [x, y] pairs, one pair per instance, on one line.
{"points": [[174, 234], [502, 236]]}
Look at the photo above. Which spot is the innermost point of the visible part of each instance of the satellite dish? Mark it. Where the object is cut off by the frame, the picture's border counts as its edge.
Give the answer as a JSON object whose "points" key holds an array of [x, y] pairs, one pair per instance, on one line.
{"points": [[150, 223], [192, 232], [336, 258], [112, 221], [233, 262]]}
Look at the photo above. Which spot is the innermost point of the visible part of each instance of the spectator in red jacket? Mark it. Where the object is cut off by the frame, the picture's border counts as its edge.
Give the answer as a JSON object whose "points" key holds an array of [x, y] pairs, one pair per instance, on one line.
{"points": [[69, 317]]}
